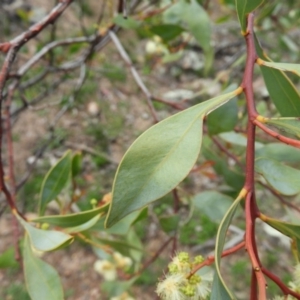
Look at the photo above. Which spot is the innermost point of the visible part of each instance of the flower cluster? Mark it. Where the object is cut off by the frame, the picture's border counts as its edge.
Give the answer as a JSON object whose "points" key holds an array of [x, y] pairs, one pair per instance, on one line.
{"points": [[178, 285], [108, 269]]}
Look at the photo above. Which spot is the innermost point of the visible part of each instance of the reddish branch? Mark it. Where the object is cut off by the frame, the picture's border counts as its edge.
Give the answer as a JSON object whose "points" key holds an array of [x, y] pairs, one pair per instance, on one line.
{"points": [[211, 259], [286, 291], [250, 244], [251, 210], [276, 135]]}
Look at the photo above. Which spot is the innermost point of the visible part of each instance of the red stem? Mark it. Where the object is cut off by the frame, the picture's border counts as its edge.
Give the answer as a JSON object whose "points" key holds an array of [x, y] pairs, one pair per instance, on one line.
{"points": [[251, 210], [276, 135], [281, 285], [211, 259]]}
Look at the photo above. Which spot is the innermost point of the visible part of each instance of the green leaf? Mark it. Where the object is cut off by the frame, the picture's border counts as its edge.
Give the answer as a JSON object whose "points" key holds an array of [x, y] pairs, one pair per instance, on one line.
{"points": [[167, 31], [7, 259], [294, 68], [55, 180], [41, 279], [45, 240], [288, 229], [282, 91], [284, 179], [154, 164], [71, 220], [128, 23], [169, 223], [287, 126], [280, 152], [76, 164], [244, 7], [223, 119], [219, 284], [213, 204], [85, 226]]}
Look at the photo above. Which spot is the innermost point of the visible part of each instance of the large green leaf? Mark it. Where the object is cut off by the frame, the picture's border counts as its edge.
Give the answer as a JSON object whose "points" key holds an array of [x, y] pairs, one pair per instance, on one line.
{"points": [[287, 126], [55, 181], [282, 91], [284, 179], [280, 152], [219, 285], [294, 68], [244, 7], [160, 159], [45, 240], [41, 279], [213, 204], [71, 220]]}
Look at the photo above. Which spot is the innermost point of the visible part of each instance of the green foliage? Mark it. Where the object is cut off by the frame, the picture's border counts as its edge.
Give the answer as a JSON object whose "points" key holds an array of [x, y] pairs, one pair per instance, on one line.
{"points": [[155, 165], [55, 181], [282, 178], [45, 240], [282, 91], [244, 7], [219, 288], [166, 143], [41, 279]]}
